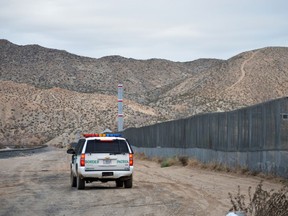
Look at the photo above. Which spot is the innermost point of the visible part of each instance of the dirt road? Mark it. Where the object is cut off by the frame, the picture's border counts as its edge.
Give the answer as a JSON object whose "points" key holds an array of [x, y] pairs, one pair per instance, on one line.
{"points": [[39, 185]]}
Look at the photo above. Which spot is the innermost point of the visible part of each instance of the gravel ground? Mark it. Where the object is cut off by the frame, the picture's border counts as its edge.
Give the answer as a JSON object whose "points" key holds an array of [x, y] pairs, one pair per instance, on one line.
{"points": [[39, 184]]}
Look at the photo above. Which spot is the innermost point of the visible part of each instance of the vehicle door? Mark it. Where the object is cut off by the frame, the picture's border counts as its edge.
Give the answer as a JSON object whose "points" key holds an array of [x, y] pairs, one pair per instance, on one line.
{"points": [[76, 157]]}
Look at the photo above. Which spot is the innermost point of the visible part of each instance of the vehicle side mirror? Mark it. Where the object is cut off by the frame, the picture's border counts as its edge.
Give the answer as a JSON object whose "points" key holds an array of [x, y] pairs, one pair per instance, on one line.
{"points": [[70, 151]]}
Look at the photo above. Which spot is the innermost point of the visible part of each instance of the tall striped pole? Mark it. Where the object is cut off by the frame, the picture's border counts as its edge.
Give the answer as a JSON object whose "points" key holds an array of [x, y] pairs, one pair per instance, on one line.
{"points": [[120, 107]]}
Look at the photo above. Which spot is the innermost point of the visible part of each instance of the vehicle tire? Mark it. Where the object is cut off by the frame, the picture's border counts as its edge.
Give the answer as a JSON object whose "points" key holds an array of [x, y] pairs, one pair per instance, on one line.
{"points": [[119, 183], [73, 180], [80, 183], [128, 183]]}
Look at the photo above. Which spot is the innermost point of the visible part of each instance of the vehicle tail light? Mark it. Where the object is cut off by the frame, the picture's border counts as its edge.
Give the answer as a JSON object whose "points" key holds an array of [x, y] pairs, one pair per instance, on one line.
{"points": [[82, 160], [131, 159]]}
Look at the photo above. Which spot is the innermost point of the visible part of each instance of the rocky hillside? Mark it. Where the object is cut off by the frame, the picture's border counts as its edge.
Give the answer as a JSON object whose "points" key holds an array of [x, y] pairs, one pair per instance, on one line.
{"points": [[48, 94], [48, 68], [31, 116], [246, 79]]}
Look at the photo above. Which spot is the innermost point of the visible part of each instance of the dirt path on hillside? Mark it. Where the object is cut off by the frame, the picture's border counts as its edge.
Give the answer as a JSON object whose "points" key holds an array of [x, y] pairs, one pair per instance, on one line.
{"points": [[39, 185], [243, 72]]}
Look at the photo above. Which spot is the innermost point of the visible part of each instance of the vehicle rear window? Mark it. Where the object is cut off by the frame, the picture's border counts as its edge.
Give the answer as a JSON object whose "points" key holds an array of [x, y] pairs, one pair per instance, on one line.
{"points": [[113, 146]]}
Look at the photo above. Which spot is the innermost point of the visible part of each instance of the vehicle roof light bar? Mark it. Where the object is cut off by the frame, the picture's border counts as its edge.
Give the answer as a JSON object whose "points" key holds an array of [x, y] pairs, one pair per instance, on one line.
{"points": [[101, 135]]}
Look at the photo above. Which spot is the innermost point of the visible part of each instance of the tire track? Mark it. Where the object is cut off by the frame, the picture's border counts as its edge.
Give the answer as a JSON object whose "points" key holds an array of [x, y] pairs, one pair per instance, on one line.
{"points": [[39, 185], [179, 196]]}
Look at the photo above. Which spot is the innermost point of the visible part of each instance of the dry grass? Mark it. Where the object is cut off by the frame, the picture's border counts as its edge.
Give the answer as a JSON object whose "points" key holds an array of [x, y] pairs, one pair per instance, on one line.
{"points": [[157, 159], [167, 162], [194, 163], [208, 166], [178, 161], [140, 156], [262, 202], [183, 160]]}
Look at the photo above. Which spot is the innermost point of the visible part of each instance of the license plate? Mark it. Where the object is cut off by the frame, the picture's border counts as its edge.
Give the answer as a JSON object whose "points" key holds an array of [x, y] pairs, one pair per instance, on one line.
{"points": [[106, 161], [107, 173]]}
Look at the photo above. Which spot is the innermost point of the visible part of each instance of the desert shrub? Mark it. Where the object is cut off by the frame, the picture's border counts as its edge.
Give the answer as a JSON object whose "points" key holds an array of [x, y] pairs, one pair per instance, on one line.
{"points": [[169, 162], [165, 163], [262, 202], [157, 159], [193, 163], [183, 160]]}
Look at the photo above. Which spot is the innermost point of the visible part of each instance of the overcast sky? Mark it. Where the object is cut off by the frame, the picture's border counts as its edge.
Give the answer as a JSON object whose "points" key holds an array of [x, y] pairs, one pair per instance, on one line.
{"points": [[177, 30]]}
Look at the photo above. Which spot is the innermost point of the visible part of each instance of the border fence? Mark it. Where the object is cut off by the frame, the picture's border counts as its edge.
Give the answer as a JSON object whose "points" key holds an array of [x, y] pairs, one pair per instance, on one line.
{"points": [[254, 137]]}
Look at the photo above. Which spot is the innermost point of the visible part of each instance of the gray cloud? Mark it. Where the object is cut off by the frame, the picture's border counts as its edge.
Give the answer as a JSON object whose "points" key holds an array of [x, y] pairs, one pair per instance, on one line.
{"points": [[181, 30]]}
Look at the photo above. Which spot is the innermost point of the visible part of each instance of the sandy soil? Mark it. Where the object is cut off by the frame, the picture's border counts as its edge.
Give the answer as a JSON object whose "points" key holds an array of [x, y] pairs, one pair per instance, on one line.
{"points": [[39, 185]]}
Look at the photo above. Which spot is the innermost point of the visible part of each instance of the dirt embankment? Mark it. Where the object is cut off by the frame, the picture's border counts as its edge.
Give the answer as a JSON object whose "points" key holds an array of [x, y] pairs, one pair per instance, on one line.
{"points": [[38, 184]]}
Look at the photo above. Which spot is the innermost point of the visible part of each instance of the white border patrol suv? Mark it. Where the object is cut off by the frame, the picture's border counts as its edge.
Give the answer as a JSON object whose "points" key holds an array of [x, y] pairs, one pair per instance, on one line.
{"points": [[102, 157]]}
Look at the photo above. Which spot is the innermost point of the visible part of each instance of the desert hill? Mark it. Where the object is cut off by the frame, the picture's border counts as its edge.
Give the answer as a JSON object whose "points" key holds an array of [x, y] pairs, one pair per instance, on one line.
{"points": [[47, 68], [29, 115], [48, 94], [249, 78]]}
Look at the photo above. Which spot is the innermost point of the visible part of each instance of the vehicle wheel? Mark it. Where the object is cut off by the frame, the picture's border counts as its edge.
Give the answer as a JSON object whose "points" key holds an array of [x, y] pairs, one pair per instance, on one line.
{"points": [[119, 183], [80, 183], [128, 183], [73, 180]]}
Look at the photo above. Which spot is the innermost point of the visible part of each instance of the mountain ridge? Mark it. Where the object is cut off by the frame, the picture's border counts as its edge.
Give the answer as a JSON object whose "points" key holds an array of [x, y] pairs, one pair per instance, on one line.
{"points": [[155, 90]]}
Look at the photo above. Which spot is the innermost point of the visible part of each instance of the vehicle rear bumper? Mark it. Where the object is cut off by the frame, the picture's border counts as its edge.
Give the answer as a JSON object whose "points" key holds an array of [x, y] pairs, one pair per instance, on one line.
{"points": [[105, 174]]}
